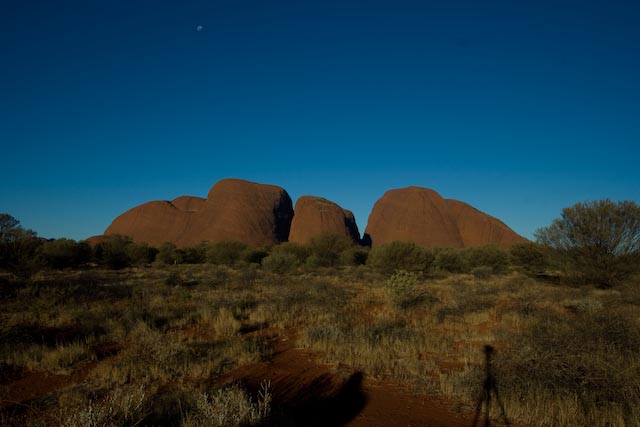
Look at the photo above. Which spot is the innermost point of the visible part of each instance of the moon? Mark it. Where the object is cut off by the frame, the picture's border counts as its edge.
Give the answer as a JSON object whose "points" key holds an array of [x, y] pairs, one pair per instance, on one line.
{"points": [[199, 28]]}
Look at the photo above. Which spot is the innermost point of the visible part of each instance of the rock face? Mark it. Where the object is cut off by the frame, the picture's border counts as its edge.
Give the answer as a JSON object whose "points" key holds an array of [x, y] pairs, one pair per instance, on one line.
{"points": [[422, 216], [189, 203], [256, 214], [315, 215]]}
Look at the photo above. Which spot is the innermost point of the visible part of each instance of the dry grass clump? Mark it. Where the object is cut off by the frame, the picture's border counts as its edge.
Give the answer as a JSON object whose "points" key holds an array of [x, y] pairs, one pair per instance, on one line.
{"points": [[56, 359], [565, 355], [229, 407], [580, 370], [124, 406], [221, 322]]}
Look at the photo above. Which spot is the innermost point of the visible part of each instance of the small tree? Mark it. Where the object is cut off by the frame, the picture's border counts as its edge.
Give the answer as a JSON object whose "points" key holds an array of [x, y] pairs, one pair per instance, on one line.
{"points": [[8, 227], [18, 247], [596, 241]]}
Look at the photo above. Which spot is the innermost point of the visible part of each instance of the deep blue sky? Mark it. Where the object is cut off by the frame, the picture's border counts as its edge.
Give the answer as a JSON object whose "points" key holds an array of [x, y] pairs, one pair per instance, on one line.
{"points": [[518, 108]]}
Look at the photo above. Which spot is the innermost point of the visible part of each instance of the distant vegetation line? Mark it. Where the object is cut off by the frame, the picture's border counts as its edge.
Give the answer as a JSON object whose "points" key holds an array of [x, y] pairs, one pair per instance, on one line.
{"points": [[593, 242]]}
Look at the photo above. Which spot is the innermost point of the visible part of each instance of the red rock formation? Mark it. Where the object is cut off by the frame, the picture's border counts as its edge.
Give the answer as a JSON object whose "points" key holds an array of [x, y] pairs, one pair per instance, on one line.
{"points": [[256, 214], [315, 215], [422, 216], [477, 228], [188, 203], [153, 223]]}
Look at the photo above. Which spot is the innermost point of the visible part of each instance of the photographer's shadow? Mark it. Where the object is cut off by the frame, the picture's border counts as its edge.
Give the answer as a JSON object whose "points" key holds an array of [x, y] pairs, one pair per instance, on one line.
{"points": [[489, 389]]}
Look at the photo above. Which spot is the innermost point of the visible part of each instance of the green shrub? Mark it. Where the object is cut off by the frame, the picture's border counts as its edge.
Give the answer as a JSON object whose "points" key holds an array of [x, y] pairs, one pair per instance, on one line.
{"points": [[393, 256], [168, 254], [226, 253], [401, 282], [530, 258], [64, 253], [354, 256], [487, 256], [300, 252], [451, 260], [327, 250], [194, 254], [18, 247], [141, 253], [255, 255], [280, 262], [112, 252]]}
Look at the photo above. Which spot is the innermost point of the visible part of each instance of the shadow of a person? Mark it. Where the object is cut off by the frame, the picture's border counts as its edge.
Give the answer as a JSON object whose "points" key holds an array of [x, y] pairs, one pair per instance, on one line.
{"points": [[489, 387]]}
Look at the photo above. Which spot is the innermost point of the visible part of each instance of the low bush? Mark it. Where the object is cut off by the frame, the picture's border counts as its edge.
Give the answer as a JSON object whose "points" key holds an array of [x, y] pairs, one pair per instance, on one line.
{"points": [[327, 250], [230, 407], [487, 256], [393, 256], [300, 252], [226, 253], [451, 260], [64, 253], [354, 256], [530, 258], [255, 255], [401, 283], [141, 253], [112, 252], [194, 254], [168, 254], [280, 262]]}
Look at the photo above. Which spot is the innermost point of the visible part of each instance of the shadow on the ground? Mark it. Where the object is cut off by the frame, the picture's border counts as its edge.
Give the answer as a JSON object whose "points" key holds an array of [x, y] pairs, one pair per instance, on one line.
{"points": [[488, 393], [319, 403]]}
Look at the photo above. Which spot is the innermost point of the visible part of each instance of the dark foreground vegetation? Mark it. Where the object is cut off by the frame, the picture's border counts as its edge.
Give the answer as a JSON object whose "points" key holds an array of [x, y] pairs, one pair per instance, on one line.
{"points": [[121, 334]]}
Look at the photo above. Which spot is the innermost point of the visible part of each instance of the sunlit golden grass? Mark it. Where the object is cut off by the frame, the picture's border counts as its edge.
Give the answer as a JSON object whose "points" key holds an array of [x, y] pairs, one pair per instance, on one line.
{"points": [[172, 330]]}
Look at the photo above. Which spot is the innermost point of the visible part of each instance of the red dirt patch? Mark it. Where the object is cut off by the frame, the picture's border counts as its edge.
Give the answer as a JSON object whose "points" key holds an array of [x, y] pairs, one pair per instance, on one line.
{"points": [[389, 405], [308, 393], [31, 386]]}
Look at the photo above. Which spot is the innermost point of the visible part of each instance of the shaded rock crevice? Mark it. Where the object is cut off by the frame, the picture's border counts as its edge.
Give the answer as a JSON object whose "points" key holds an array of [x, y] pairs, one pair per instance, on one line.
{"points": [[315, 216]]}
